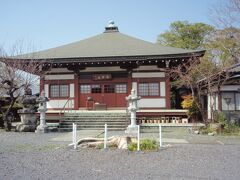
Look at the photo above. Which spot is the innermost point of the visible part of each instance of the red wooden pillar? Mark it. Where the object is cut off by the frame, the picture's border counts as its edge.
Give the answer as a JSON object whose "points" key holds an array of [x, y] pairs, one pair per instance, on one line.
{"points": [[41, 84], [168, 89], [129, 82], [76, 92]]}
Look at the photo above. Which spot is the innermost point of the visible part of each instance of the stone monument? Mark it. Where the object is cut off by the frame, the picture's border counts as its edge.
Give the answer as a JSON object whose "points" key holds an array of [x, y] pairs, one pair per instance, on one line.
{"points": [[42, 100], [27, 114], [132, 108]]}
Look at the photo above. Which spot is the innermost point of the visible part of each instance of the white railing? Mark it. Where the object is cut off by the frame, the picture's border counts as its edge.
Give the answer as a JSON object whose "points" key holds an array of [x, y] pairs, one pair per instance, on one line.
{"points": [[138, 138], [105, 136], [160, 135], [62, 111], [74, 136]]}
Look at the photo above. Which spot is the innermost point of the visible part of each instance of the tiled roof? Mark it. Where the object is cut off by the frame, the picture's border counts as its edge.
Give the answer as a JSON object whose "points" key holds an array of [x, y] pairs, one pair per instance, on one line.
{"points": [[108, 44]]}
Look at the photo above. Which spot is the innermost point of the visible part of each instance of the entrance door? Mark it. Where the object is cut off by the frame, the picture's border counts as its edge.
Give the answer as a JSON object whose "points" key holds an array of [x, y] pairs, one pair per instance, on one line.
{"points": [[121, 93], [111, 94]]}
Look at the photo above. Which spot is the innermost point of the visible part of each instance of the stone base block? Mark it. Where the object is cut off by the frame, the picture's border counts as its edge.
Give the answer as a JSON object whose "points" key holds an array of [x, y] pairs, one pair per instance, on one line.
{"points": [[25, 128], [131, 130], [185, 120], [41, 129]]}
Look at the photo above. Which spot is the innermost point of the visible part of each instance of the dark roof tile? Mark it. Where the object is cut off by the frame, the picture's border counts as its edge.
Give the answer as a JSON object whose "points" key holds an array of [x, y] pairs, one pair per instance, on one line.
{"points": [[107, 45]]}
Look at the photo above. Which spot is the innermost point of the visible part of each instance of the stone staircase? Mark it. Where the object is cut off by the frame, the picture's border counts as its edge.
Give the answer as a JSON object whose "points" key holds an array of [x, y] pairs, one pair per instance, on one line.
{"points": [[94, 120]]}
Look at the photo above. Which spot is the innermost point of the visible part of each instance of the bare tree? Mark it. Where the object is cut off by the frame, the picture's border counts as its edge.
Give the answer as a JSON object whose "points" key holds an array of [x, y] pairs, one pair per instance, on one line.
{"points": [[186, 75], [202, 77], [16, 76], [211, 78], [226, 13]]}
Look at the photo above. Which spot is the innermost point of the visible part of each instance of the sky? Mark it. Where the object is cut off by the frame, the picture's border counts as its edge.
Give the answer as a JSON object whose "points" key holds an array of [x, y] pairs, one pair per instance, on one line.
{"points": [[43, 24]]}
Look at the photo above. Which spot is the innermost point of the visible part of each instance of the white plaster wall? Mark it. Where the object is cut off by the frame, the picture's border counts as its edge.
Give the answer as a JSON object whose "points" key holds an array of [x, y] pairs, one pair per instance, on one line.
{"points": [[152, 103], [162, 89], [212, 101], [46, 88], [71, 90], [238, 101], [59, 77], [60, 103], [232, 103], [134, 86], [148, 74]]}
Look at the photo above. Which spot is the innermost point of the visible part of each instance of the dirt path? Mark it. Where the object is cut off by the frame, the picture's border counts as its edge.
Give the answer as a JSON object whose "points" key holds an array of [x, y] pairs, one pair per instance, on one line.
{"points": [[32, 156]]}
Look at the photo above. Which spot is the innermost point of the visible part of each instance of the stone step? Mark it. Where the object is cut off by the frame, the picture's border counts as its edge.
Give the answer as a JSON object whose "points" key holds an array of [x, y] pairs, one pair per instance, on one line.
{"points": [[90, 128], [94, 120], [123, 126], [95, 117], [97, 122], [95, 114], [98, 116], [94, 126]]}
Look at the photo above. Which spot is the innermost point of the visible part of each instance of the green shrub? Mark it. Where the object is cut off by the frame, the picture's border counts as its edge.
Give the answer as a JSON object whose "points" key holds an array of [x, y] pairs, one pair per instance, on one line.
{"points": [[100, 146], [206, 130], [148, 144], [111, 146], [220, 118], [145, 145], [132, 146], [227, 128], [232, 129], [222, 126]]}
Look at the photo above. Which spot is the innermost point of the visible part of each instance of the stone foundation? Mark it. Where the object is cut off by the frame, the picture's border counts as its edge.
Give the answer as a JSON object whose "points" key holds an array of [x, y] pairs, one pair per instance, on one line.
{"points": [[28, 122], [25, 128]]}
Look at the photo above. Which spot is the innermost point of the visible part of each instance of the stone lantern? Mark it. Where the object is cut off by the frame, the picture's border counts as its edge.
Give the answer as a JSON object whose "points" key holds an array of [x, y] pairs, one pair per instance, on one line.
{"points": [[132, 108], [42, 100], [27, 114]]}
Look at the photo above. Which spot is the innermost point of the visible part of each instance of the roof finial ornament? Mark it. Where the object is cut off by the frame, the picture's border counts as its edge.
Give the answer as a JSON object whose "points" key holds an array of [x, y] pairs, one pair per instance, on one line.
{"points": [[111, 23], [111, 27]]}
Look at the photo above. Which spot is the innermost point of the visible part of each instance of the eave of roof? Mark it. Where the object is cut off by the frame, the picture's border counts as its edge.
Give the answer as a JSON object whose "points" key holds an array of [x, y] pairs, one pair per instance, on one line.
{"points": [[235, 68]]}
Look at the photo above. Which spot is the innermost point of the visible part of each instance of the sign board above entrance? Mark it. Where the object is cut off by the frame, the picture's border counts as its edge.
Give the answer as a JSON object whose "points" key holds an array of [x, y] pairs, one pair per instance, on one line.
{"points": [[100, 77]]}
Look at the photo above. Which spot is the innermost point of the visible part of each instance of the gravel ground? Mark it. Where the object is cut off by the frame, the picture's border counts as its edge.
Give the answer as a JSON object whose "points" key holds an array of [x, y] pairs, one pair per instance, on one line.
{"points": [[36, 156]]}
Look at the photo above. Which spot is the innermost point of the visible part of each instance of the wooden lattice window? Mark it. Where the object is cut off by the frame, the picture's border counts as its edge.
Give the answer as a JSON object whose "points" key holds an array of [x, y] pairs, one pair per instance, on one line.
{"points": [[96, 88], [109, 88], [57, 91], [121, 88], [85, 89], [148, 89]]}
